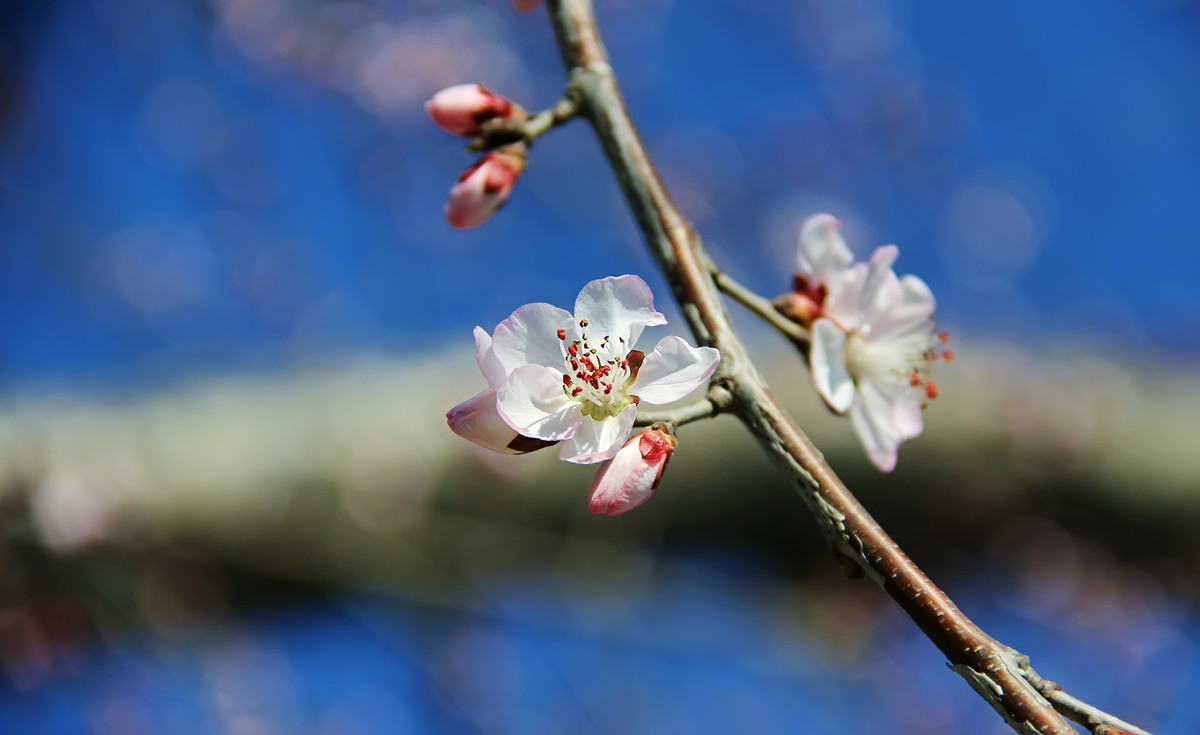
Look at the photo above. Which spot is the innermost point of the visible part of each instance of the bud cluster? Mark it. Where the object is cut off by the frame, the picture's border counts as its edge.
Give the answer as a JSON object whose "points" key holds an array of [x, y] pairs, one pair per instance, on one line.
{"points": [[473, 111]]}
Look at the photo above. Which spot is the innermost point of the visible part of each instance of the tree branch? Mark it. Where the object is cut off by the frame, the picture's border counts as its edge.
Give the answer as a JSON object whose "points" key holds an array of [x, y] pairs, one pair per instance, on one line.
{"points": [[992, 669]]}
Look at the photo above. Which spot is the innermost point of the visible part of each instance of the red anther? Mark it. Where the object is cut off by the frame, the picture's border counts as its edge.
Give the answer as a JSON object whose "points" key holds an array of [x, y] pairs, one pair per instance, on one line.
{"points": [[931, 389], [577, 390], [566, 380], [625, 363], [607, 389], [562, 334], [914, 380], [943, 337], [947, 355]]}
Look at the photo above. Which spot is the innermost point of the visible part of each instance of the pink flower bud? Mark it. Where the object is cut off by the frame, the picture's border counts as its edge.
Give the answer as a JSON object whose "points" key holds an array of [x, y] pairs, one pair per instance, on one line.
{"points": [[477, 420], [483, 188], [627, 480], [463, 108]]}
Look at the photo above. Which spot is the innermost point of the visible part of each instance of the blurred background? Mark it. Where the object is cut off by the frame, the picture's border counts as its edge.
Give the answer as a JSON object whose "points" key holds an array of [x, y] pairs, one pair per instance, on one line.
{"points": [[233, 318]]}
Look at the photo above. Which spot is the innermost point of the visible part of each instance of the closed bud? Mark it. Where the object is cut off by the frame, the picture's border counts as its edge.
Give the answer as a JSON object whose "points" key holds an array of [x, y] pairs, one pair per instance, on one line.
{"points": [[628, 479], [485, 187], [464, 108], [477, 420]]}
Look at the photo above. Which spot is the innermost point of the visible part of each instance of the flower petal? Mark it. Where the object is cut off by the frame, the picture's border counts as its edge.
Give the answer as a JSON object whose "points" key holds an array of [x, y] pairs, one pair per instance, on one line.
{"points": [[821, 249], [530, 337], [883, 421], [476, 420], [618, 306], [532, 402], [881, 450], [596, 441], [487, 361], [827, 361], [673, 370], [843, 296], [911, 310], [629, 478], [881, 288]]}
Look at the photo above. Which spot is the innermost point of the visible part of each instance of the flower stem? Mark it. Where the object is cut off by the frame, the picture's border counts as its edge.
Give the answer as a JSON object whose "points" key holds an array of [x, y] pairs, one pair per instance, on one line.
{"points": [[501, 132], [717, 401], [761, 308]]}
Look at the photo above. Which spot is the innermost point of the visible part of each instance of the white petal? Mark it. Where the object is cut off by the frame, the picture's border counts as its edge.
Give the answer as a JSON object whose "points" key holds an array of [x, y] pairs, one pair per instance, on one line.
{"points": [[911, 310], [477, 420], [533, 403], [822, 250], [597, 441], [880, 450], [673, 370], [487, 361], [827, 360], [880, 287], [883, 421], [530, 337], [619, 306], [843, 296]]}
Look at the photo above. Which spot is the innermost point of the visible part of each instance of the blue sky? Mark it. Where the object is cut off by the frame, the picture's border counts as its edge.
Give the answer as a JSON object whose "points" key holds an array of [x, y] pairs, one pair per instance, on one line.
{"points": [[185, 190]]}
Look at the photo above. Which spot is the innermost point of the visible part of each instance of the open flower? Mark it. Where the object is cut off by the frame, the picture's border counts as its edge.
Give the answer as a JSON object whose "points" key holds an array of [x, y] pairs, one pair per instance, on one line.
{"points": [[576, 379], [628, 479], [870, 353], [477, 420]]}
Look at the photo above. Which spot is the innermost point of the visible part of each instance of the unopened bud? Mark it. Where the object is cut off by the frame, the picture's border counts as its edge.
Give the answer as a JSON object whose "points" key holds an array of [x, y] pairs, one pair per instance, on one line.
{"points": [[477, 420], [798, 307], [628, 479], [485, 187], [464, 108]]}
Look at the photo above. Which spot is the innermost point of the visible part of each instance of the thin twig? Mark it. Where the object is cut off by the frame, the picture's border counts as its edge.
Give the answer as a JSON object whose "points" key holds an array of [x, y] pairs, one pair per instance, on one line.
{"points": [[717, 400], [762, 308], [991, 668], [502, 131], [1079, 711]]}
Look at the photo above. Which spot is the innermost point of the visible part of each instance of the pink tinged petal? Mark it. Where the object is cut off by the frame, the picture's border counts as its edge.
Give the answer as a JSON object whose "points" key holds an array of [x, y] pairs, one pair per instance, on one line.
{"points": [[822, 250], [463, 108], [477, 420], [673, 370], [628, 479], [827, 361], [487, 361], [482, 189], [618, 306], [596, 441], [533, 403], [530, 337]]}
